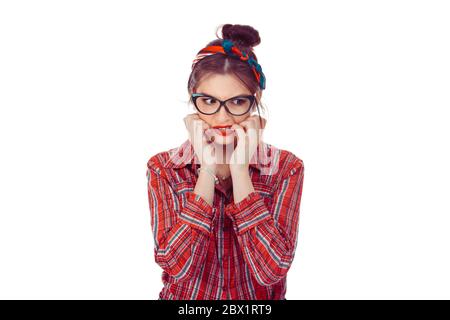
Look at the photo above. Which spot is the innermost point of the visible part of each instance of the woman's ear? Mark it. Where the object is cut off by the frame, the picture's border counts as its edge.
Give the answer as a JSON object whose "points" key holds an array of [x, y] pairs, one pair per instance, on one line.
{"points": [[258, 95]]}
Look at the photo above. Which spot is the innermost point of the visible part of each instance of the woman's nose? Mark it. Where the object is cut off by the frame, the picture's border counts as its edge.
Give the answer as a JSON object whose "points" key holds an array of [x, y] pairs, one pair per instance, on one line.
{"points": [[223, 114]]}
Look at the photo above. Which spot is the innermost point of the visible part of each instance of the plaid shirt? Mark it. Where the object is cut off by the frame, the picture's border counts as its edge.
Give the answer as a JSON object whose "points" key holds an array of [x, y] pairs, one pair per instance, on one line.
{"points": [[238, 251]]}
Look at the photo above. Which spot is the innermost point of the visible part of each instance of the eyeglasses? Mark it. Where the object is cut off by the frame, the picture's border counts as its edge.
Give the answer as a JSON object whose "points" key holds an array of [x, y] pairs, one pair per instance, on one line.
{"points": [[237, 106]]}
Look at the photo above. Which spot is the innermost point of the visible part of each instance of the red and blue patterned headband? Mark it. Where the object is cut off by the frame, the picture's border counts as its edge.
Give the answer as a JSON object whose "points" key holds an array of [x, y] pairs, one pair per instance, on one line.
{"points": [[229, 48]]}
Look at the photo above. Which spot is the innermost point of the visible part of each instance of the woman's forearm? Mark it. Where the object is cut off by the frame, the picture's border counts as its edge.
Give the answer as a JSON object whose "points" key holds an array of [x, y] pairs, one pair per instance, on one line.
{"points": [[242, 184], [205, 186]]}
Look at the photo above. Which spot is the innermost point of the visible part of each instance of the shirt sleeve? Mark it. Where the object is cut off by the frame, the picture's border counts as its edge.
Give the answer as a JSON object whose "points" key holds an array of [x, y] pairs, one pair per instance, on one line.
{"points": [[181, 231], [268, 236]]}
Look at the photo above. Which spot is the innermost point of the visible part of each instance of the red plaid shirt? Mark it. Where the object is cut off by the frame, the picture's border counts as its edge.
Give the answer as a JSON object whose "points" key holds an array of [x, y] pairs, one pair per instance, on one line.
{"points": [[238, 251]]}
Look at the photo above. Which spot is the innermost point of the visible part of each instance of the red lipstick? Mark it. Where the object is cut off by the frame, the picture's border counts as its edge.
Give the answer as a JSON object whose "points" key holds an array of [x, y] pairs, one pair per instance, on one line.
{"points": [[223, 130], [219, 127]]}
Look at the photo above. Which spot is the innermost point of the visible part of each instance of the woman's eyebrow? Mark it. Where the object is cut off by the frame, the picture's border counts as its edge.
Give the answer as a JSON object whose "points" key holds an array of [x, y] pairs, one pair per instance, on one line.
{"points": [[242, 94], [237, 95]]}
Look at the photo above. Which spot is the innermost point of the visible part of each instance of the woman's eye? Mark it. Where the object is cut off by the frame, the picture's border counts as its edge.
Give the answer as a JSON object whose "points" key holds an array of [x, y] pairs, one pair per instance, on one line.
{"points": [[209, 100], [238, 101]]}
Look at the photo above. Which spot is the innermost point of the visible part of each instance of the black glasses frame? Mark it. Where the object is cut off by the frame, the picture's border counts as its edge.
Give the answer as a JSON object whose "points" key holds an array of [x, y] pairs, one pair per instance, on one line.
{"points": [[195, 96]]}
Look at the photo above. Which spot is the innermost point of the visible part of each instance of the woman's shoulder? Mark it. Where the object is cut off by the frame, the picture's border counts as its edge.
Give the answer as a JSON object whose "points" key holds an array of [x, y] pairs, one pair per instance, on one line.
{"points": [[288, 162], [158, 162], [173, 158], [168, 166]]}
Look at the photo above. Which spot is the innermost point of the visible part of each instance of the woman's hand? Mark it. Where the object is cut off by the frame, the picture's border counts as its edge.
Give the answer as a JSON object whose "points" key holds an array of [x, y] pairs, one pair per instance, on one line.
{"points": [[203, 148], [249, 134]]}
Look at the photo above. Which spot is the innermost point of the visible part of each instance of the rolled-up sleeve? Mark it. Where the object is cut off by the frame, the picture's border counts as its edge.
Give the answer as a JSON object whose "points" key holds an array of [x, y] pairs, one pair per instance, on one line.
{"points": [[268, 236], [181, 231]]}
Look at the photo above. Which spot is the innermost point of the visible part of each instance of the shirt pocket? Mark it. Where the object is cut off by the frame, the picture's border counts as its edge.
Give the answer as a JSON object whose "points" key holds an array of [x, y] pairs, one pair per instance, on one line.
{"points": [[265, 191], [182, 188]]}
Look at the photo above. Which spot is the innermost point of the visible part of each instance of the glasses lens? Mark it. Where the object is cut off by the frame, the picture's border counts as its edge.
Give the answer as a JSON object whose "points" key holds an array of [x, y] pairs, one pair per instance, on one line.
{"points": [[207, 104], [238, 106]]}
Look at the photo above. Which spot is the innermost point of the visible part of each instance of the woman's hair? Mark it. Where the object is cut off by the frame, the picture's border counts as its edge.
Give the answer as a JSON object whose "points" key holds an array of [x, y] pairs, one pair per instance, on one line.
{"points": [[244, 38]]}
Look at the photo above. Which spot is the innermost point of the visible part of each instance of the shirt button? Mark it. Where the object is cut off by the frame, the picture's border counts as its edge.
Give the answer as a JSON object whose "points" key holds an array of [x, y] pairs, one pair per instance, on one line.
{"points": [[180, 153]]}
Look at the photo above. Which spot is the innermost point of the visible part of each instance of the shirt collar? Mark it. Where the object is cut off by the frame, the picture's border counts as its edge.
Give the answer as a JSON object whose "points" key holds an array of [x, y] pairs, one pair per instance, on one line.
{"points": [[184, 154]]}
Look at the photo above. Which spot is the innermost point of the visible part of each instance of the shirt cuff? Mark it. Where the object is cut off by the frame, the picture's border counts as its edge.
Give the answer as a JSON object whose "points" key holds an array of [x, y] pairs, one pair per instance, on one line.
{"points": [[197, 212], [248, 213]]}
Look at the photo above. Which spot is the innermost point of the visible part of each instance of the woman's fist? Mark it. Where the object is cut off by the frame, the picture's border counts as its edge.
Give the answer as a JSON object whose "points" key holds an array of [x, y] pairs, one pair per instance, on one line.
{"points": [[203, 148]]}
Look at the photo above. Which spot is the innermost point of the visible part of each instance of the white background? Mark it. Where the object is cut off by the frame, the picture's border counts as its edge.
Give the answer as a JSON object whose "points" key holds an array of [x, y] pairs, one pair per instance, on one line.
{"points": [[90, 90]]}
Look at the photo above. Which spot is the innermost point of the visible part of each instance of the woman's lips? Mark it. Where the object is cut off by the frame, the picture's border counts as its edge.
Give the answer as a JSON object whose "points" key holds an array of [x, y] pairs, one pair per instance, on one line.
{"points": [[224, 126]]}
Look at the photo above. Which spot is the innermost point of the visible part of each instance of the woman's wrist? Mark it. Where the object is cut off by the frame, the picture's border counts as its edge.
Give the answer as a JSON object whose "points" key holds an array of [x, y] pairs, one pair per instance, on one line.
{"points": [[239, 168], [210, 167], [209, 171]]}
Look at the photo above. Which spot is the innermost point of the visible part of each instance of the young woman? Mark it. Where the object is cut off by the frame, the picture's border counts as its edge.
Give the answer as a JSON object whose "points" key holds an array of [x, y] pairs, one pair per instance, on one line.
{"points": [[225, 205]]}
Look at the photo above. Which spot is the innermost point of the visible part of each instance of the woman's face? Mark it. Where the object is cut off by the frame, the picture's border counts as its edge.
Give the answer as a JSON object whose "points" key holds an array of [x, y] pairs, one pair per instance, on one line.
{"points": [[223, 87]]}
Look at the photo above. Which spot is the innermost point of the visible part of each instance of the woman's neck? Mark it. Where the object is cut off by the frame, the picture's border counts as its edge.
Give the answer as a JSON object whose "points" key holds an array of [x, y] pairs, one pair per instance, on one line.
{"points": [[223, 171]]}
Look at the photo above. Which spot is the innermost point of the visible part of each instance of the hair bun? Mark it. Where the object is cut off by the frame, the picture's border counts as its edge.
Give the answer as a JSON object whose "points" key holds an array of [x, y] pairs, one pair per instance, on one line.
{"points": [[244, 35]]}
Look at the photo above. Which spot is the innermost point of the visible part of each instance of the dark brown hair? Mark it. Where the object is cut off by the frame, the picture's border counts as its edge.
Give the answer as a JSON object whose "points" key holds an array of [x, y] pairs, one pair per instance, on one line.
{"points": [[245, 38]]}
